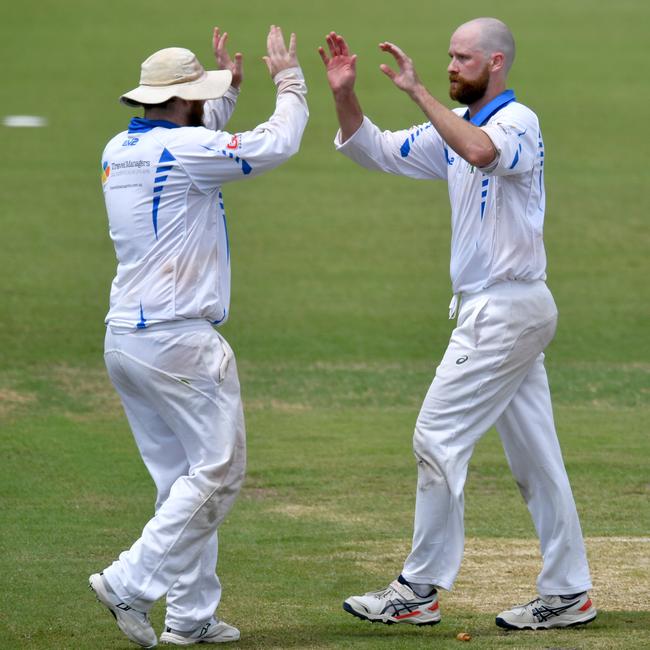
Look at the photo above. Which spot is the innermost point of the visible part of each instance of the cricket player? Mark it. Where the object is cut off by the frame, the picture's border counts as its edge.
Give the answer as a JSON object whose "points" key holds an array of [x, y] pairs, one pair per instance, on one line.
{"points": [[491, 153], [175, 374]]}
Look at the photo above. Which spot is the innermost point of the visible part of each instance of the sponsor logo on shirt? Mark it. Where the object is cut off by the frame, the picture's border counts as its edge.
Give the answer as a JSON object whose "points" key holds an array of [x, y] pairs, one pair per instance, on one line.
{"points": [[130, 142], [106, 171], [234, 143], [127, 164]]}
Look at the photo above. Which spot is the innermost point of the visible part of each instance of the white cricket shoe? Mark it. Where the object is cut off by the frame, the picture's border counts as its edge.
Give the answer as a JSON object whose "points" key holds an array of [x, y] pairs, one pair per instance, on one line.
{"points": [[398, 603], [133, 623], [214, 631], [549, 611]]}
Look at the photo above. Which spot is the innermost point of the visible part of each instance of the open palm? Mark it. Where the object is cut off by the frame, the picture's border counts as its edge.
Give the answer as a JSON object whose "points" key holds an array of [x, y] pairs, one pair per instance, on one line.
{"points": [[224, 62], [406, 79], [340, 64]]}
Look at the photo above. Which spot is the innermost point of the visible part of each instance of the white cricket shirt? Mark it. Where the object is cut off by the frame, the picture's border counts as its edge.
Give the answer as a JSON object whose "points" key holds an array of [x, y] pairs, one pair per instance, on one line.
{"points": [[497, 213], [162, 188]]}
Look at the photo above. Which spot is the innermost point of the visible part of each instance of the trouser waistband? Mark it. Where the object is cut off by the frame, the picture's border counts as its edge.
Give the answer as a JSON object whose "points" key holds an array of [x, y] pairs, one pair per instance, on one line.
{"points": [[186, 323], [505, 285]]}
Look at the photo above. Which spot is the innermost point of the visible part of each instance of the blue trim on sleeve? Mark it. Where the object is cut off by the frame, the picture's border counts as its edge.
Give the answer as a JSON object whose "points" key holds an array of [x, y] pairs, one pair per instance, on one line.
{"points": [[245, 166], [405, 149], [482, 117], [142, 125], [516, 158]]}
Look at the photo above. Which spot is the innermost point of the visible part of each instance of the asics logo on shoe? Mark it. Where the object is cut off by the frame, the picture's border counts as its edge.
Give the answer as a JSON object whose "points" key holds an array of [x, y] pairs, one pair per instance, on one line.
{"points": [[395, 604], [544, 612], [549, 612], [405, 608]]}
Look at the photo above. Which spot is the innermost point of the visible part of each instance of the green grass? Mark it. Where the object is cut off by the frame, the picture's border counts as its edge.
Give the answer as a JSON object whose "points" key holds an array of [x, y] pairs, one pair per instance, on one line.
{"points": [[340, 289]]}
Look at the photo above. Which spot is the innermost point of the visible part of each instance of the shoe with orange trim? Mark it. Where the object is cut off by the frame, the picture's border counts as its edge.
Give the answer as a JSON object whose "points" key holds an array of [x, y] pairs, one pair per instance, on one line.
{"points": [[549, 611], [398, 603]]}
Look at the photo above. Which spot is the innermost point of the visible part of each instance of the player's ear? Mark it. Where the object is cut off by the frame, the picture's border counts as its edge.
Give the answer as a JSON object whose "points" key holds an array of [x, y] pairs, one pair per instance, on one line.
{"points": [[497, 61]]}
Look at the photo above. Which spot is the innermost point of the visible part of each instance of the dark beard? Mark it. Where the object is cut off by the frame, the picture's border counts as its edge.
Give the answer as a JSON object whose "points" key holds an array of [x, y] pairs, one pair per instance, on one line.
{"points": [[195, 116], [469, 92]]}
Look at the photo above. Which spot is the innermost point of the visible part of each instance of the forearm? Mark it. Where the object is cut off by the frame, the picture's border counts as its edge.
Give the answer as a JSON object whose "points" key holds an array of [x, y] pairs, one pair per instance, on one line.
{"points": [[348, 112], [467, 140], [284, 129]]}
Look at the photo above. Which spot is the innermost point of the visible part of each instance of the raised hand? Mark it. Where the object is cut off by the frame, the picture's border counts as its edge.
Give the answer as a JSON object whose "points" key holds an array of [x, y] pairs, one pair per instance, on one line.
{"points": [[224, 62], [279, 58], [406, 79], [341, 66]]}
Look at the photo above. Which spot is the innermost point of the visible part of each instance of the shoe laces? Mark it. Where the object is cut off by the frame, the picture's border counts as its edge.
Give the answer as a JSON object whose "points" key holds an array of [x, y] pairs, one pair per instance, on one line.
{"points": [[531, 604], [384, 593]]}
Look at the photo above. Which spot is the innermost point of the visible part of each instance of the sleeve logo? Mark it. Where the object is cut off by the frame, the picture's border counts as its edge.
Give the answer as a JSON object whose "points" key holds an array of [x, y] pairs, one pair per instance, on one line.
{"points": [[234, 143]]}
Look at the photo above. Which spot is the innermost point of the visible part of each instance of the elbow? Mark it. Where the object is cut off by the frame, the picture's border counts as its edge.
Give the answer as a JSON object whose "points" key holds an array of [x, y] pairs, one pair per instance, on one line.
{"points": [[287, 149], [481, 155]]}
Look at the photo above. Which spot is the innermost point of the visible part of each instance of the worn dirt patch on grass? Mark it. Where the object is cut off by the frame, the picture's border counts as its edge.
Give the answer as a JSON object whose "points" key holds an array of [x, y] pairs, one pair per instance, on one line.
{"points": [[12, 401], [319, 513], [498, 573], [280, 406], [620, 571], [92, 390]]}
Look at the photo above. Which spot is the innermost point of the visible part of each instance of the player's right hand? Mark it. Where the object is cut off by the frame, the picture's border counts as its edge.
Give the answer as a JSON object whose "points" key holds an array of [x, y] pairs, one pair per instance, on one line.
{"points": [[279, 57], [341, 66], [224, 62]]}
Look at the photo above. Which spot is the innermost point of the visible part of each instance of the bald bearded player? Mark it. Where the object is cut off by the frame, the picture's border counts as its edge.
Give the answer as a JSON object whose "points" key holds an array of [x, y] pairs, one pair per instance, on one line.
{"points": [[491, 153]]}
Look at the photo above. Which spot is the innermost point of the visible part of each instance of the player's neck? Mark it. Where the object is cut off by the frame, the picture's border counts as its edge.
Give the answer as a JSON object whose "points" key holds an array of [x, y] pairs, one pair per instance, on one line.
{"points": [[493, 90], [175, 116]]}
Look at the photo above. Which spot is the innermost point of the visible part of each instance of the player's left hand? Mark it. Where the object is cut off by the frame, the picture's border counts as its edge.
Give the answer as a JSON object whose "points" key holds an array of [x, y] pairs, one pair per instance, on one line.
{"points": [[224, 62], [341, 66], [406, 79], [278, 56]]}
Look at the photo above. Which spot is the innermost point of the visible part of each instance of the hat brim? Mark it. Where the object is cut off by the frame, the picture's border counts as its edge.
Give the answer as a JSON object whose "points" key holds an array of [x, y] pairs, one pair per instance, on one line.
{"points": [[212, 85]]}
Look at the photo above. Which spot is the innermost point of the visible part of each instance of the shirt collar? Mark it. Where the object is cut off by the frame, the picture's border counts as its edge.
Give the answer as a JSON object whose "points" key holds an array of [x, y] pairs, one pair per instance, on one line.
{"points": [[142, 125], [491, 108]]}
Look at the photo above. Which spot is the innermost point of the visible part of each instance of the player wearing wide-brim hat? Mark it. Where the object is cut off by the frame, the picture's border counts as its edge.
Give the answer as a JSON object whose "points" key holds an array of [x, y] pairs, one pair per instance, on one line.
{"points": [[174, 372], [176, 72]]}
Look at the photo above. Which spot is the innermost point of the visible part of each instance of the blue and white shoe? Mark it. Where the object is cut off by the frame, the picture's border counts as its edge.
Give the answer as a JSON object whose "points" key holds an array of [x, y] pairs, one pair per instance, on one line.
{"points": [[398, 603], [214, 631], [134, 623], [548, 612]]}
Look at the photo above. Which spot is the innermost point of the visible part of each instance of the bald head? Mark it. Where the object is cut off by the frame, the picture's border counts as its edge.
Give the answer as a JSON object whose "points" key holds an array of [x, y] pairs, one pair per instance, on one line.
{"points": [[491, 35]]}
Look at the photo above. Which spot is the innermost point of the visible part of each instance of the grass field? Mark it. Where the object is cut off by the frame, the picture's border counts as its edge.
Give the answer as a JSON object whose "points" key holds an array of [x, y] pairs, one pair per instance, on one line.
{"points": [[340, 289]]}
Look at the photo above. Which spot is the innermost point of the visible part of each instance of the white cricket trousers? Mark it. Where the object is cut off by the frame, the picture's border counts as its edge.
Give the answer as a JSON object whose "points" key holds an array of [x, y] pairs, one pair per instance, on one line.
{"points": [[492, 374], [179, 387]]}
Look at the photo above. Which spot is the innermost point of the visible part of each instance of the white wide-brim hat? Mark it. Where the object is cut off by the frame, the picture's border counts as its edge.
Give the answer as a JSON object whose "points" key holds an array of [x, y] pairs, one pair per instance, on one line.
{"points": [[176, 72]]}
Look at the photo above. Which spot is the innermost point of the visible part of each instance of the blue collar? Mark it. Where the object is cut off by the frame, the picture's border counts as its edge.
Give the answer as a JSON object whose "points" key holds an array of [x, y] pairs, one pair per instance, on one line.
{"points": [[491, 108], [142, 125]]}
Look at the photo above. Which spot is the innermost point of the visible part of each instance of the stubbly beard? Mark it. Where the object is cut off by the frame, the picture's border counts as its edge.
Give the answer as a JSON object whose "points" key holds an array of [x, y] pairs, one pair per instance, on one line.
{"points": [[195, 116], [468, 92]]}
